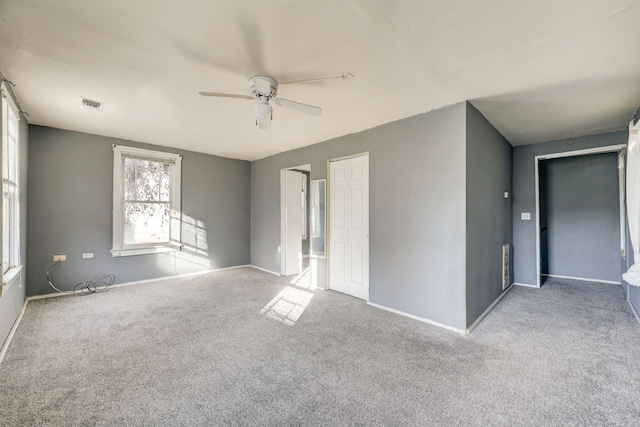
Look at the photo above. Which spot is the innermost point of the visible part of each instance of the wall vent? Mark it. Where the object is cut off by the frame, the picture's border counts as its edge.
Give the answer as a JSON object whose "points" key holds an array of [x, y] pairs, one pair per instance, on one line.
{"points": [[505, 267], [92, 104]]}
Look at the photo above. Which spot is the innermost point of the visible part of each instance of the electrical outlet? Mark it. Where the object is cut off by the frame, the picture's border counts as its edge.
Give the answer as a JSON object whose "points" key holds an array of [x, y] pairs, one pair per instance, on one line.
{"points": [[87, 255], [59, 258]]}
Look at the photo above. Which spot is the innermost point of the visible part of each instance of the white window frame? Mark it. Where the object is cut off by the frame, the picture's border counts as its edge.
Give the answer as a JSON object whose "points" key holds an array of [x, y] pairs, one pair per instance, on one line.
{"points": [[175, 169], [12, 267]]}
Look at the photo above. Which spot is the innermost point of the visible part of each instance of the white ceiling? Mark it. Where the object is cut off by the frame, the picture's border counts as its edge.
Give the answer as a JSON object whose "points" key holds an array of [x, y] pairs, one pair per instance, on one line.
{"points": [[537, 69]]}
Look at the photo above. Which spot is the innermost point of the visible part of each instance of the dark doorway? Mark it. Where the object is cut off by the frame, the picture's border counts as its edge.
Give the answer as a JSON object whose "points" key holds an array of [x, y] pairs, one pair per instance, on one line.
{"points": [[580, 217]]}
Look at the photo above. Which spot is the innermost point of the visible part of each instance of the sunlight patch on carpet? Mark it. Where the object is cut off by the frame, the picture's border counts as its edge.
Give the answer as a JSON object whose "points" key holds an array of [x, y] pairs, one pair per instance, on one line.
{"points": [[288, 305]]}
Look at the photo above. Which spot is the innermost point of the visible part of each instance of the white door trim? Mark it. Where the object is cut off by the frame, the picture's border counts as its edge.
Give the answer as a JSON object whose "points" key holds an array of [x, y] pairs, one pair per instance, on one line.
{"points": [[597, 150], [350, 156], [283, 216]]}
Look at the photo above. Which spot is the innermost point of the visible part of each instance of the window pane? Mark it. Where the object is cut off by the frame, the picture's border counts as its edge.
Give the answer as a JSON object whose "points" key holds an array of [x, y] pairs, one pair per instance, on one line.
{"points": [[165, 184], [129, 180], [10, 230], [146, 223], [6, 227], [147, 183]]}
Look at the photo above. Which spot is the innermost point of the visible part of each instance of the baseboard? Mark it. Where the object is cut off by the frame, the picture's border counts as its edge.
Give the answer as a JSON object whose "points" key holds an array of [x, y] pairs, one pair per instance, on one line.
{"points": [[141, 282], [421, 319], [52, 295], [12, 332], [583, 279], [633, 309], [493, 304], [265, 270], [180, 276], [526, 285]]}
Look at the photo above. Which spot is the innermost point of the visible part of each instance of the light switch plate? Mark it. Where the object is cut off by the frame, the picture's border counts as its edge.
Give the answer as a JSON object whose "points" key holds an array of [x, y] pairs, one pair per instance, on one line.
{"points": [[525, 216]]}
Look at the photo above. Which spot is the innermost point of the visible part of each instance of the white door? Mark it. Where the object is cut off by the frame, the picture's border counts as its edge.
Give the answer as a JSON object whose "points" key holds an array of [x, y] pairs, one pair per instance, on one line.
{"points": [[349, 226], [292, 253]]}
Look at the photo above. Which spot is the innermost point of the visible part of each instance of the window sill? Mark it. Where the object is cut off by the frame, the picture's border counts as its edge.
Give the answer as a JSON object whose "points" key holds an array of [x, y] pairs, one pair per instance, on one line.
{"points": [[145, 251], [9, 278]]}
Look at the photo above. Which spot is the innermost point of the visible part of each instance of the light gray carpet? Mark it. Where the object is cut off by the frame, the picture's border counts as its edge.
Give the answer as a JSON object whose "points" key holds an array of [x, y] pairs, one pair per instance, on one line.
{"points": [[218, 349]]}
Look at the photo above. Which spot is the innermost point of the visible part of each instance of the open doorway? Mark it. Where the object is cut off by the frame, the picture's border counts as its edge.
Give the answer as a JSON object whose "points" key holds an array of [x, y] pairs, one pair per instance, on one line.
{"points": [[580, 218], [294, 214]]}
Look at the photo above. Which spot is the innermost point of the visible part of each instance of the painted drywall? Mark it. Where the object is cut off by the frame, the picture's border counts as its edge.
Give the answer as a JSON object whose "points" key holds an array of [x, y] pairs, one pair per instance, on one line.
{"points": [[416, 210], [580, 207], [13, 298], [70, 212], [524, 232], [488, 213]]}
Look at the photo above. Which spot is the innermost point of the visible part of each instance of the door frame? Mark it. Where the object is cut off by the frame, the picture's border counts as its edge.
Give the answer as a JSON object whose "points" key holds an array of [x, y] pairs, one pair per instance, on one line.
{"points": [[620, 148], [328, 215], [283, 217]]}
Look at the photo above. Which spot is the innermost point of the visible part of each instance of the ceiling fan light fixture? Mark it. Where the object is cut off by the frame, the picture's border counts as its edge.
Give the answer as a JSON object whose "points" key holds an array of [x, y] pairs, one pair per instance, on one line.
{"points": [[265, 89], [263, 114], [263, 110]]}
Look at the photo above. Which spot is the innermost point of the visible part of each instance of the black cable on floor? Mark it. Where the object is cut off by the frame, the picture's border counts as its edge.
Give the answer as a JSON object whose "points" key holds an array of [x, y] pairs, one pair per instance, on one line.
{"points": [[94, 286]]}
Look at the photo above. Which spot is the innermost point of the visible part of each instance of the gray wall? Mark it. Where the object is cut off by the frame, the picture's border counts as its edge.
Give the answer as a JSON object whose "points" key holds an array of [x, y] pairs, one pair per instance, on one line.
{"points": [[12, 300], [524, 232], [579, 203], [488, 212], [417, 210], [70, 211]]}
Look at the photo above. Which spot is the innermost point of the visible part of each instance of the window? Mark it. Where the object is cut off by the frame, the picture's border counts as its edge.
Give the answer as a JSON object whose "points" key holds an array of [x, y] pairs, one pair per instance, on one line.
{"points": [[10, 189], [146, 201]]}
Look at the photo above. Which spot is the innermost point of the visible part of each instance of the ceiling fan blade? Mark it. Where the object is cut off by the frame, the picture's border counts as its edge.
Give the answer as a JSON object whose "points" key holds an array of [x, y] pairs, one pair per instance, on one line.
{"points": [[263, 122], [297, 106], [225, 95], [344, 76]]}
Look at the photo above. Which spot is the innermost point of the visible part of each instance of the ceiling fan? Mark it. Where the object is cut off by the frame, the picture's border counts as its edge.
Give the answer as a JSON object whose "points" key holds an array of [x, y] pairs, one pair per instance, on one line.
{"points": [[265, 89]]}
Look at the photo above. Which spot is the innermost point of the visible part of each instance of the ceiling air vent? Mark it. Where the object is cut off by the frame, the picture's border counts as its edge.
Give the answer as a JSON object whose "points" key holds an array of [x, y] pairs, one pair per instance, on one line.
{"points": [[92, 105]]}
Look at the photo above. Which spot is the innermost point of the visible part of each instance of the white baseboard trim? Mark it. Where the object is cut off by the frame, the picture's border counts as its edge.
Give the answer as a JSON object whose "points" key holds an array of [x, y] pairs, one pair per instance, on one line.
{"points": [[52, 295], [633, 309], [582, 279], [265, 270], [493, 304], [526, 285], [421, 319], [141, 282], [179, 276], [12, 332]]}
